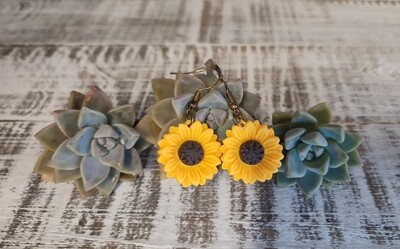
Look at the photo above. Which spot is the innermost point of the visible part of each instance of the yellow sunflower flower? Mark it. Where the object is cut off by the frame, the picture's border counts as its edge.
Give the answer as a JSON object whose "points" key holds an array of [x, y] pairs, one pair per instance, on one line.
{"points": [[251, 153], [190, 154]]}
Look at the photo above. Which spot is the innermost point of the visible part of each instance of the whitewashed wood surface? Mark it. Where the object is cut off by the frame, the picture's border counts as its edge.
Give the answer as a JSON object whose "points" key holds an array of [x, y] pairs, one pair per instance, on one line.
{"points": [[293, 53]]}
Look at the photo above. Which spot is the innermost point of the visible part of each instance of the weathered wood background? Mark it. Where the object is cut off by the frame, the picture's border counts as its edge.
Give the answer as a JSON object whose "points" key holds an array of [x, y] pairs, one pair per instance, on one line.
{"points": [[293, 53]]}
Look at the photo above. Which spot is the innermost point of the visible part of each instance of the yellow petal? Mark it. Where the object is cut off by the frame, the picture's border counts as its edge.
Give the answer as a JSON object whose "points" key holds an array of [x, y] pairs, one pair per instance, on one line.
{"points": [[195, 130], [205, 136], [173, 139], [250, 130], [184, 132]]}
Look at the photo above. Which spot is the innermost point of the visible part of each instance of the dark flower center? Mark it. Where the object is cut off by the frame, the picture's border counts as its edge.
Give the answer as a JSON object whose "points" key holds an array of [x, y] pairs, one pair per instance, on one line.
{"points": [[251, 152], [191, 153]]}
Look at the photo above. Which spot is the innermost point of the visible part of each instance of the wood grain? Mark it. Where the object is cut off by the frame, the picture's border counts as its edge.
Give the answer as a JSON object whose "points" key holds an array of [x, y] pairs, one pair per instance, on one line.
{"points": [[293, 53]]}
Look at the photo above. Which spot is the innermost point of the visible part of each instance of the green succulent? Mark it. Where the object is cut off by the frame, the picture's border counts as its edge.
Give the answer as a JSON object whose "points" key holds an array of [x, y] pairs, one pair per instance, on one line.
{"points": [[316, 152], [173, 97], [91, 143]]}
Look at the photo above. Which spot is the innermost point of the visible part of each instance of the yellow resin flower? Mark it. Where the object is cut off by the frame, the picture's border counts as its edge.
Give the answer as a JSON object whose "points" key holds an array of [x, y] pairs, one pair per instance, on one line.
{"points": [[190, 154], [251, 153]]}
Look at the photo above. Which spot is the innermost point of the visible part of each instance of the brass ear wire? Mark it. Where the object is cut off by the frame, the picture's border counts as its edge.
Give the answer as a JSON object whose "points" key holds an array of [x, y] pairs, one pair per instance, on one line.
{"points": [[192, 106]]}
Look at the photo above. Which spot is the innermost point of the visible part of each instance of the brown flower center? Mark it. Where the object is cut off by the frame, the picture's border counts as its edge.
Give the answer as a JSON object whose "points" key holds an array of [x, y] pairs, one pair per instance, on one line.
{"points": [[191, 153], [251, 152]]}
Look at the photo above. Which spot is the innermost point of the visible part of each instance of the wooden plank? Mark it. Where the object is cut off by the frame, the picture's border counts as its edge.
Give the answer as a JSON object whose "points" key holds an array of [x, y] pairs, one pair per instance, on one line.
{"points": [[224, 214], [285, 22]]}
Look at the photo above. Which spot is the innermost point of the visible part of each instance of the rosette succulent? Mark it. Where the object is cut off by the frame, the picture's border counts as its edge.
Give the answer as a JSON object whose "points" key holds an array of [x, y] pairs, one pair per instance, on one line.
{"points": [[91, 143], [173, 97], [317, 152]]}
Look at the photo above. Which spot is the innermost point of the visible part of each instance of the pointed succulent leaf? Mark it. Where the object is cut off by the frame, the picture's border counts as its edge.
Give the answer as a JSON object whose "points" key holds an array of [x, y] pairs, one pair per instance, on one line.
{"points": [[141, 144], [202, 114], [162, 112], [80, 143], [314, 138], [212, 100], [75, 100], [219, 116], [97, 100], [294, 166], [187, 84], [64, 158], [207, 78], [331, 131], [127, 177], [165, 129], [97, 150], [284, 181], [318, 165], [327, 184], [122, 115], [336, 154], [321, 112], [81, 189], [93, 172], [132, 163], [292, 137], [92, 118], [163, 88], [106, 131], [250, 102], [235, 89], [280, 130], [50, 136], [309, 183], [351, 142], [339, 174], [148, 129], [61, 176], [318, 150], [354, 159], [310, 156], [67, 121], [281, 117], [180, 105], [245, 115], [283, 166], [221, 131], [115, 157], [212, 124], [303, 119], [128, 135], [302, 150], [42, 166], [107, 186]]}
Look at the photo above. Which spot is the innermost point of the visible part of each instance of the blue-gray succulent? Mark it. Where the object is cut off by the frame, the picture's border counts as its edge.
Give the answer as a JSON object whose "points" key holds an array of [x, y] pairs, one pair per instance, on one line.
{"points": [[91, 143], [316, 152]]}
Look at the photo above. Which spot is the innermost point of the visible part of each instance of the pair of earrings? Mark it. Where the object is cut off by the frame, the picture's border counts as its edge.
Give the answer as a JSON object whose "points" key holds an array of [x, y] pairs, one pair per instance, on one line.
{"points": [[190, 152]]}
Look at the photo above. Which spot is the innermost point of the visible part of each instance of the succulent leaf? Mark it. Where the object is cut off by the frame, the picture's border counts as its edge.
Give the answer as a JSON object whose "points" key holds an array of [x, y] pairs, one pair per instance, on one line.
{"points": [[115, 157], [97, 100], [180, 105], [318, 165], [202, 114], [337, 155], [163, 88], [106, 131], [93, 172], [67, 121], [128, 135], [165, 129], [162, 112], [280, 130], [284, 181], [221, 131], [281, 117], [148, 129], [79, 186], [132, 163], [314, 138], [327, 184], [75, 100], [187, 84], [80, 143], [51, 137], [294, 166], [332, 131], [250, 102], [64, 158], [351, 142], [310, 183], [304, 120], [122, 115], [97, 150], [245, 115], [213, 100], [321, 112], [61, 176], [42, 165], [219, 115], [235, 88], [339, 174], [292, 137], [354, 159], [91, 118], [107, 186], [302, 150]]}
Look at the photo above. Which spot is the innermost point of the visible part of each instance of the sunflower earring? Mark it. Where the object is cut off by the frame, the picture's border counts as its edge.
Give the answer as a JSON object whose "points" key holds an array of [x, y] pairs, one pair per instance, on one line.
{"points": [[251, 151], [190, 152]]}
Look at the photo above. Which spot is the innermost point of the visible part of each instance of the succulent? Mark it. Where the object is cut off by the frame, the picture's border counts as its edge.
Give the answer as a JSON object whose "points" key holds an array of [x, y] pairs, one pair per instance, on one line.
{"points": [[91, 143], [173, 97], [316, 152]]}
